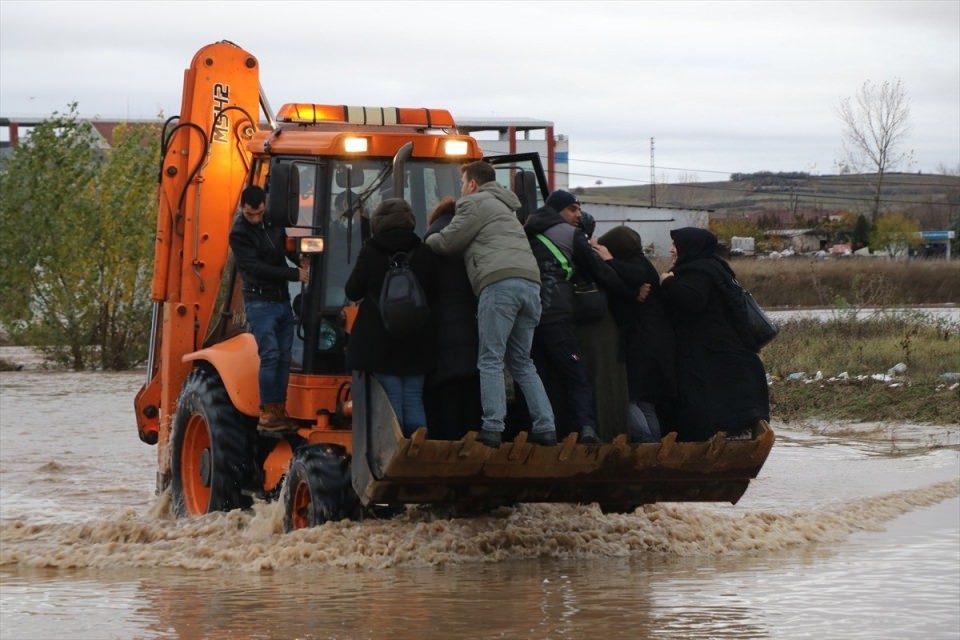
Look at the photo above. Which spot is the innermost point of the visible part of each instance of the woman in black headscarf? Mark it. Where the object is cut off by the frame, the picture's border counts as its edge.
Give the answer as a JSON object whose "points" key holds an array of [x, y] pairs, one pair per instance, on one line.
{"points": [[721, 383]]}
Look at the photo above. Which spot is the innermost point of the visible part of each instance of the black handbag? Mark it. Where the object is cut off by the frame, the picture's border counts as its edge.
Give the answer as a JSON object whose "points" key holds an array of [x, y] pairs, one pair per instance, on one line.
{"points": [[589, 302], [752, 325], [759, 328]]}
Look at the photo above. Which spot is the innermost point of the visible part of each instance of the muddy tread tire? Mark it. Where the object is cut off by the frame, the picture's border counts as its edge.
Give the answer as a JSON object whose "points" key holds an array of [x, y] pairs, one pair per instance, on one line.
{"points": [[606, 508], [225, 467], [318, 488]]}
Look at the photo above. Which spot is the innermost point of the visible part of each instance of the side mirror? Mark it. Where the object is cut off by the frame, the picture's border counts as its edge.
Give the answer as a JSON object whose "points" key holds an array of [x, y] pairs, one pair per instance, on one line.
{"points": [[525, 187], [283, 195]]}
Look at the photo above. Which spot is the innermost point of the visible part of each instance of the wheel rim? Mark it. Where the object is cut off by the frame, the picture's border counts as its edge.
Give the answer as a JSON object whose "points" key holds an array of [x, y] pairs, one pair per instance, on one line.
{"points": [[300, 509], [195, 471]]}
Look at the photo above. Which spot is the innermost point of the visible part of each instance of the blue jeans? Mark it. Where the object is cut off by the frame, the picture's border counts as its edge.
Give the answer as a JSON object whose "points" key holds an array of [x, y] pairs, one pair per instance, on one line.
{"points": [[406, 397], [272, 326], [644, 425], [508, 312]]}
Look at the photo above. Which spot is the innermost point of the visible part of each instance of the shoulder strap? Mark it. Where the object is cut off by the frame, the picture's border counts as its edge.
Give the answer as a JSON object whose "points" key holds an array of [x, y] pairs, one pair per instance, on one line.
{"points": [[562, 259]]}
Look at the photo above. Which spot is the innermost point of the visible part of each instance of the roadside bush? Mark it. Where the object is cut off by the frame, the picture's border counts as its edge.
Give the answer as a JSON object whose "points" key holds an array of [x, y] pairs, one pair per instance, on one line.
{"points": [[76, 242]]}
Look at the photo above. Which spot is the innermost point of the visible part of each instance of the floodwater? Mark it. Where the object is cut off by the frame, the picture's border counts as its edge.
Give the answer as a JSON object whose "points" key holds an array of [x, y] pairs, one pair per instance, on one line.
{"points": [[851, 531], [949, 314]]}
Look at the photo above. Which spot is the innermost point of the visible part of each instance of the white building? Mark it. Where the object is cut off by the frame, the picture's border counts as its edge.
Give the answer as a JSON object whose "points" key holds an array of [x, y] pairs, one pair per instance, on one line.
{"points": [[652, 223], [499, 136], [502, 136]]}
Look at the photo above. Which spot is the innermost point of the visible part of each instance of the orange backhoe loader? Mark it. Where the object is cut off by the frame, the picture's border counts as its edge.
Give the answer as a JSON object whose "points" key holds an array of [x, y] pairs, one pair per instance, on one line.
{"points": [[325, 167]]}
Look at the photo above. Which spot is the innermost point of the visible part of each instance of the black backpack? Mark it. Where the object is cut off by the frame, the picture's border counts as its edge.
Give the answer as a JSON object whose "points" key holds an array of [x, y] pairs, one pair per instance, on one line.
{"points": [[403, 304]]}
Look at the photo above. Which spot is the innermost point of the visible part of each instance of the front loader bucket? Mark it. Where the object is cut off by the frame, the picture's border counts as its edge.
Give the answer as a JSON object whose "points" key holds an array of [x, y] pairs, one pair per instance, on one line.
{"points": [[391, 469]]}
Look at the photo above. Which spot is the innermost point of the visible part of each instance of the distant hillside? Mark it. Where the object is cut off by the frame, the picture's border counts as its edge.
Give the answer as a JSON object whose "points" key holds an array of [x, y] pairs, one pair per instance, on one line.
{"points": [[931, 199]]}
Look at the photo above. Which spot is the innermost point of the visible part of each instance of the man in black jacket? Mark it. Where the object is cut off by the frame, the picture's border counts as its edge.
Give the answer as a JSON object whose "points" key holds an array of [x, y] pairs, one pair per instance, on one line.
{"points": [[564, 253], [260, 253]]}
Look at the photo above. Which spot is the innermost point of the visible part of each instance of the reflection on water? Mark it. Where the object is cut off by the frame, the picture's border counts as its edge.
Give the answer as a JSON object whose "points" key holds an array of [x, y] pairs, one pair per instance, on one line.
{"points": [[851, 531]]}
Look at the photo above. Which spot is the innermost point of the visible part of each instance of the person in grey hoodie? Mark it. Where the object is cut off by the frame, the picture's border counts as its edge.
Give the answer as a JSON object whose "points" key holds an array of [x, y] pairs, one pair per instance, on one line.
{"points": [[506, 279]]}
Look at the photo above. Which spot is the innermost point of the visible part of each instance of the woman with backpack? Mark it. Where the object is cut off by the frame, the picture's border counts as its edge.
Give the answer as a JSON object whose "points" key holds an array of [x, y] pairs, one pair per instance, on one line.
{"points": [[721, 383], [398, 359]]}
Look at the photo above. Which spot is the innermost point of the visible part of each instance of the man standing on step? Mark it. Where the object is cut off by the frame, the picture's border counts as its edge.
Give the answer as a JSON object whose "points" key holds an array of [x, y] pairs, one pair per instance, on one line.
{"points": [[506, 279], [259, 249]]}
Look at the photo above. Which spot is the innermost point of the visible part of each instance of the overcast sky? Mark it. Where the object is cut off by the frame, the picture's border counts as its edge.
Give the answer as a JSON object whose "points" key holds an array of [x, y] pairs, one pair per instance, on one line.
{"points": [[722, 87]]}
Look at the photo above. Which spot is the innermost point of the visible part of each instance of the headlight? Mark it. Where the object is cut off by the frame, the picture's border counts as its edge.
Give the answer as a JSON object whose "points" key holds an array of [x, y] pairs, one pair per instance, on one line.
{"points": [[455, 147], [355, 145], [310, 244]]}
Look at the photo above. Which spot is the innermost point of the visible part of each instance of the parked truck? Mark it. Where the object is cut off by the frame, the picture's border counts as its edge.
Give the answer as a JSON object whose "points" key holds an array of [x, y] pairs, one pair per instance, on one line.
{"points": [[325, 167]]}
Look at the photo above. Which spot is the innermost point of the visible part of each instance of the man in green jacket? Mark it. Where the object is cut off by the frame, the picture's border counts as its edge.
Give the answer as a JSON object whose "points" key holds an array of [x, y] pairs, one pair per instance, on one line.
{"points": [[506, 279]]}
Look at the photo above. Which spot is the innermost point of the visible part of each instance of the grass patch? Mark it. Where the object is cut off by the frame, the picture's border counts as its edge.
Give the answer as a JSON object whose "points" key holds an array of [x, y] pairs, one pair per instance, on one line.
{"points": [[846, 282], [929, 346], [850, 282], [919, 401], [847, 353]]}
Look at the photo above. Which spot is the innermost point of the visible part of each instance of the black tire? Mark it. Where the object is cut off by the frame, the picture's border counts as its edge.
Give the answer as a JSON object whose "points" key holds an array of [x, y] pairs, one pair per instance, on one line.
{"points": [[212, 466], [384, 511], [318, 487], [617, 508]]}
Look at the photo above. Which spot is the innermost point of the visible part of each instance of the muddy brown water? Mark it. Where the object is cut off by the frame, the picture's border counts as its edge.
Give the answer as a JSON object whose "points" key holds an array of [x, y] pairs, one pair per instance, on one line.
{"points": [[851, 531]]}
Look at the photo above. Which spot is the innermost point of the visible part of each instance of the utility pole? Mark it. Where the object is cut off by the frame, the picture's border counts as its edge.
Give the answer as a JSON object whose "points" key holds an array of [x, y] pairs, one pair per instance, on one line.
{"points": [[653, 183]]}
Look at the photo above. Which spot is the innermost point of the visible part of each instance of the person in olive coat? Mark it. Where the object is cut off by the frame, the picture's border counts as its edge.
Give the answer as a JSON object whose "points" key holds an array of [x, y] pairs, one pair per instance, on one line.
{"points": [[721, 383], [452, 393], [647, 336], [400, 365]]}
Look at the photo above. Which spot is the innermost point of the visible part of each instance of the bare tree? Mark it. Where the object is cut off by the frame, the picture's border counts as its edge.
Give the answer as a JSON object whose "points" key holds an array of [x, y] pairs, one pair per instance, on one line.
{"points": [[944, 170], [876, 121]]}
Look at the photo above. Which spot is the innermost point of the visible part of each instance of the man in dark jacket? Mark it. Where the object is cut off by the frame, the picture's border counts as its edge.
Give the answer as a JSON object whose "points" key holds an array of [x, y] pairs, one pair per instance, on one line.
{"points": [[259, 250], [553, 233]]}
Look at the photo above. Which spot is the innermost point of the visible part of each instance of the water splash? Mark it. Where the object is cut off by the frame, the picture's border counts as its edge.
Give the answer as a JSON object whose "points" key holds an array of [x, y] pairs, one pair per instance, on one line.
{"points": [[253, 541]]}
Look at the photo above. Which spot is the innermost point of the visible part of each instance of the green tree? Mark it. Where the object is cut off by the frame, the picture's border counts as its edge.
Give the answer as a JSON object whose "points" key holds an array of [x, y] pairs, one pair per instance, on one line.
{"points": [[76, 231], [895, 233], [861, 233], [726, 228], [128, 207]]}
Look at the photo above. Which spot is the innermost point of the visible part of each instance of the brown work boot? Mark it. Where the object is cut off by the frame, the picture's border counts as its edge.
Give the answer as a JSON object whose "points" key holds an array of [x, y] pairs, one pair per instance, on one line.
{"points": [[274, 418]]}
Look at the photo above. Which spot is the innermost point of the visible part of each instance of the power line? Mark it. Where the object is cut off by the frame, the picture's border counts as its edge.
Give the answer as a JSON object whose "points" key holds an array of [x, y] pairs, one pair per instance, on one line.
{"points": [[838, 180], [889, 200], [772, 174]]}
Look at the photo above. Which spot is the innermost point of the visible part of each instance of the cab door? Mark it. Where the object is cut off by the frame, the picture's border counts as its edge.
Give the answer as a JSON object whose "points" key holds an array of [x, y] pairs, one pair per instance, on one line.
{"points": [[523, 174]]}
